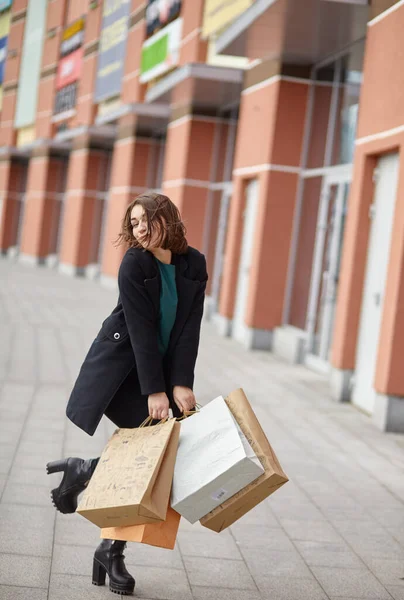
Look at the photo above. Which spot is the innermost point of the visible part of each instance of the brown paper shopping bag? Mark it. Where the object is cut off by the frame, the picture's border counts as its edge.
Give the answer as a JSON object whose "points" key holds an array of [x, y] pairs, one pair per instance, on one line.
{"points": [[274, 477], [162, 534], [132, 482]]}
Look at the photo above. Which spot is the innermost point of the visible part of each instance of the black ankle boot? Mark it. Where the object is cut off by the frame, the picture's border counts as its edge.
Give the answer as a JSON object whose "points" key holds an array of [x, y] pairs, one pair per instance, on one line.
{"points": [[109, 558], [76, 474]]}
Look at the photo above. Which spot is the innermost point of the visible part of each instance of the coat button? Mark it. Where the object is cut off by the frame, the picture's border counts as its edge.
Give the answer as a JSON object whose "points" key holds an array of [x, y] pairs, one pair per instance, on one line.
{"points": [[117, 336]]}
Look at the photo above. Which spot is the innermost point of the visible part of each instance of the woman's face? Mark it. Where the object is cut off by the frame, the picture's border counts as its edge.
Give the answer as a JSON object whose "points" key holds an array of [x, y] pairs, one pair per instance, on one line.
{"points": [[140, 227]]}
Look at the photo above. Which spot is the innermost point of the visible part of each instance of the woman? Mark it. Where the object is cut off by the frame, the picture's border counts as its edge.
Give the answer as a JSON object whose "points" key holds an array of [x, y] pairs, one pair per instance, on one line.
{"points": [[142, 361]]}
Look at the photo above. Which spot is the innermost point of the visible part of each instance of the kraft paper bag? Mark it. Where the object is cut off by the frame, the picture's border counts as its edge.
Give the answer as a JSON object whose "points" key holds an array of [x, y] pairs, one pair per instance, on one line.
{"points": [[214, 461], [271, 480], [162, 535], [132, 482]]}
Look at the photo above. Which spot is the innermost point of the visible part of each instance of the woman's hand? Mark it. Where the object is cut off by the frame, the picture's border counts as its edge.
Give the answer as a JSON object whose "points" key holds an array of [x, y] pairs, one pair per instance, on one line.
{"points": [[184, 398], [158, 406]]}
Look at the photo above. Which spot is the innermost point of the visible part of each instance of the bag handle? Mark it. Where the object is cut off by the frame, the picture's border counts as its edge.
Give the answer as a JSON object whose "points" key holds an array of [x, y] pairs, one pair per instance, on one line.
{"points": [[149, 420], [189, 413]]}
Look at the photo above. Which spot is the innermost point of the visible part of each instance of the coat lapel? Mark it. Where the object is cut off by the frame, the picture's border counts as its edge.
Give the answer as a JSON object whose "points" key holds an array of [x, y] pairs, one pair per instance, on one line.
{"points": [[186, 289], [153, 288], [153, 280]]}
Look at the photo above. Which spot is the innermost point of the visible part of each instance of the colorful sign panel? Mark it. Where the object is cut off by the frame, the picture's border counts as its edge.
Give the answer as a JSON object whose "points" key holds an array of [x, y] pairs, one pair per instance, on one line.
{"points": [[220, 13], [161, 52], [69, 68], [30, 69], [5, 4], [159, 13], [5, 19], [72, 37], [111, 55], [3, 55], [65, 98]]}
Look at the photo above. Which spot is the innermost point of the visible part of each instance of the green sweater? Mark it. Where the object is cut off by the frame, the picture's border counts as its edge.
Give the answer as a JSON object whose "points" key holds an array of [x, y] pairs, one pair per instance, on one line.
{"points": [[168, 304]]}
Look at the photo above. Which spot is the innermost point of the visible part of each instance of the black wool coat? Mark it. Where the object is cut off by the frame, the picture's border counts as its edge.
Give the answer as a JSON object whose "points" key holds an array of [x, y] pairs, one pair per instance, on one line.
{"points": [[123, 365]]}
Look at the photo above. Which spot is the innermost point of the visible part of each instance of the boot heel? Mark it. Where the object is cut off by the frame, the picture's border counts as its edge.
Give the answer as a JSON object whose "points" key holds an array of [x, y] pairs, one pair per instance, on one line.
{"points": [[56, 466], [99, 573]]}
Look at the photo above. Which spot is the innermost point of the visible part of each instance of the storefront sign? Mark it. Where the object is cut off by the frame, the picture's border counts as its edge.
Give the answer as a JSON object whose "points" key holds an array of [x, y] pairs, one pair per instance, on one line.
{"points": [[30, 70], [69, 68], [72, 38], [219, 13], [161, 52], [111, 56], [5, 19], [3, 54], [4, 4], [161, 12], [65, 98]]}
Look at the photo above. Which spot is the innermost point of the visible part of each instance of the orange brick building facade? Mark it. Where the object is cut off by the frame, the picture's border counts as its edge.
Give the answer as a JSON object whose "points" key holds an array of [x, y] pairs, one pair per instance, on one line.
{"points": [[276, 129]]}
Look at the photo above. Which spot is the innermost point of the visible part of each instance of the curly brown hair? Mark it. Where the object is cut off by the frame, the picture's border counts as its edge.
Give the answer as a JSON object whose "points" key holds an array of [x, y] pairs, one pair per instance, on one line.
{"points": [[162, 216]]}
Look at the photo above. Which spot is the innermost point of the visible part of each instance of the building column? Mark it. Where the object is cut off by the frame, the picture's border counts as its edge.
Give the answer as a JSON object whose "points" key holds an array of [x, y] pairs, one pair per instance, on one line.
{"points": [[388, 381], [350, 287], [268, 148], [188, 170], [85, 179], [134, 170], [44, 184]]}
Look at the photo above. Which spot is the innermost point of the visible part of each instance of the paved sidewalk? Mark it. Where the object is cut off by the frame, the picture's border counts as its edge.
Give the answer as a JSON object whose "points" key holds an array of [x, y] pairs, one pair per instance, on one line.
{"points": [[336, 530]]}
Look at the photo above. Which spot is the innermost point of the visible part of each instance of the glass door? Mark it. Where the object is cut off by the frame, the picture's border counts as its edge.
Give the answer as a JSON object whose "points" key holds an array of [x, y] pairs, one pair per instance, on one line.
{"points": [[326, 269]]}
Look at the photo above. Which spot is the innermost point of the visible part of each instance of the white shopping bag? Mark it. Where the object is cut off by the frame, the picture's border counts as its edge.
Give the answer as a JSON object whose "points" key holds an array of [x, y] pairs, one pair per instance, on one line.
{"points": [[214, 461]]}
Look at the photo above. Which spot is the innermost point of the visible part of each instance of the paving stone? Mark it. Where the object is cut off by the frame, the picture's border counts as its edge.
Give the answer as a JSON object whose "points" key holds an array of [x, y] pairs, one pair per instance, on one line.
{"points": [[74, 587], [5, 465], [26, 530], [74, 530], [396, 591], [208, 545], [297, 511], [209, 593], [260, 515], [389, 517], [44, 447], [162, 584], [350, 583], [26, 476], [322, 554], [218, 572], [10, 432], [335, 514], [22, 593], [284, 588], [257, 537], [370, 539], [272, 562], [142, 555], [387, 571], [24, 571], [7, 450], [38, 428], [313, 531], [50, 368], [18, 493], [74, 560]]}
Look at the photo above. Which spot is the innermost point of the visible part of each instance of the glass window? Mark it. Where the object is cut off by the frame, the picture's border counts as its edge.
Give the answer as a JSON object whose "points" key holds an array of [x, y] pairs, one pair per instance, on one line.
{"points": [[322, 92], [348, 104]]}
